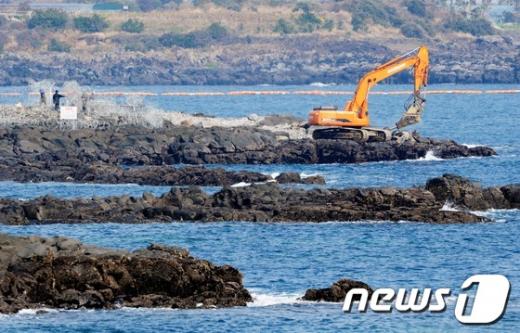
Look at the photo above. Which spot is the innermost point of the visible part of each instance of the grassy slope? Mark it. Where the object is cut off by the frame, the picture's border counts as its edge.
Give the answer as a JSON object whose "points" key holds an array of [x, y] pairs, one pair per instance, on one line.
{"points": [[252, 20]]}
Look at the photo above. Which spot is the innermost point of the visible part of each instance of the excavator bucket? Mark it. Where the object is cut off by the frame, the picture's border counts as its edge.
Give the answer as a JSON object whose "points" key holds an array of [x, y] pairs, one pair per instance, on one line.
{"points": [[412, 114]]}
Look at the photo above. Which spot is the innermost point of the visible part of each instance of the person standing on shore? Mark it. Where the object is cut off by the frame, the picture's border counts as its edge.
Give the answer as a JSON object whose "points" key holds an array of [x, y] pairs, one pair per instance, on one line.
{"points": [[56, 100], [43, 100]]}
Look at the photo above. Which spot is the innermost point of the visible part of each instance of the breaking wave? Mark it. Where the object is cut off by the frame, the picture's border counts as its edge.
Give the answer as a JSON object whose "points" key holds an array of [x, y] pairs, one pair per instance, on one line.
{"points": [[241, 184], [261, 300], [430, 156]]}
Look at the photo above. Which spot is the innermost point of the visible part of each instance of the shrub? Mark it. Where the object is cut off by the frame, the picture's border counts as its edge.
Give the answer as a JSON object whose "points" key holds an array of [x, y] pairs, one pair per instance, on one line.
{"points": [[416, 7], [475, 26], [283, 27], [373, 11], [132, 26], [412, 30], [57, 46], [182, 40], [328, 25], [49, 19], [93, 23], [307, 20], [194, 39], [358, 23], [217, 31]]}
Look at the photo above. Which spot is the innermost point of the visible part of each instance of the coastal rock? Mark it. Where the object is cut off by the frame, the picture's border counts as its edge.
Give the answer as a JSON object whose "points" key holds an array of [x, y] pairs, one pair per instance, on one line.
{"points": [[336, 292], [274, 203], [296, 178], [470, 195], [63, 273], [135, 145]]}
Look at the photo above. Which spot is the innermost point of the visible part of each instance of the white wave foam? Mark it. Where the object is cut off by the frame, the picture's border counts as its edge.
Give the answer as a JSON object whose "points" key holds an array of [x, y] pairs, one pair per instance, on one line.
{"points": [[304, 175], [241, 184], [32, 312], [494, 213], [260, 300], [321, 84], [430, 156], [449, 207], [471, 145], [275, 174]]}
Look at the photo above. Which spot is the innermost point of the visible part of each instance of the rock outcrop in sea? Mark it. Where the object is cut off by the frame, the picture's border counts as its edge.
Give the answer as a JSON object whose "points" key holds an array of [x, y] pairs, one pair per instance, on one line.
{"points": [[336, 292], [271, 202], [62, 273]]}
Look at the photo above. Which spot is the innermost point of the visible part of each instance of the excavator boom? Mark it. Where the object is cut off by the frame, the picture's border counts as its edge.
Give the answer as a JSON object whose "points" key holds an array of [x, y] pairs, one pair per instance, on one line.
{"points": [[355, 113]]}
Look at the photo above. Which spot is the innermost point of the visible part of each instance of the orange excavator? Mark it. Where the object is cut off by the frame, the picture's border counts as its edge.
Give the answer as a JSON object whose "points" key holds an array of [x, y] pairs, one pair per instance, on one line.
{"points": [[353, 121]]}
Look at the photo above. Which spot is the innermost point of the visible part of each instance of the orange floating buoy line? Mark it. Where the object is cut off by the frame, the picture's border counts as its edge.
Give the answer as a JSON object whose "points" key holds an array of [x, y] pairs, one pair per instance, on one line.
{"points": [[286, 92]]}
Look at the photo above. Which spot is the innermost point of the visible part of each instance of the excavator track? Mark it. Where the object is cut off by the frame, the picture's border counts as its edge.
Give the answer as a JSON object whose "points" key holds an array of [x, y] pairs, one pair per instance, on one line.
{"points": [[364, 134]]}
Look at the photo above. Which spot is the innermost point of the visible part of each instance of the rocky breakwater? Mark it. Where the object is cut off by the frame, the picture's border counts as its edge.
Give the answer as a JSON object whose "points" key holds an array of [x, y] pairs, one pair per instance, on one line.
{"points": [[63, 273], [133, 145], [270, 202]]}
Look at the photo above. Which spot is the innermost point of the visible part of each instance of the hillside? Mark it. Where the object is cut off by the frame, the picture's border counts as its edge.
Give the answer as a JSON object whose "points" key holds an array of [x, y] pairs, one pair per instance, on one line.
{"points": [[249, 42]]}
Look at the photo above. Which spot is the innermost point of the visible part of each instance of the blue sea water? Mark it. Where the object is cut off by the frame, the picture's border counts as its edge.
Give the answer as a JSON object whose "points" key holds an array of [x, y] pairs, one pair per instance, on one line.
{"points": [[280, 261]]}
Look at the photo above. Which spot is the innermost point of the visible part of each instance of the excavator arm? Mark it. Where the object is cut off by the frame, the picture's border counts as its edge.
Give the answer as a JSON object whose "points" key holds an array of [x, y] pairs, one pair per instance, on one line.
{"points": [[353, 121], [418, 59]]}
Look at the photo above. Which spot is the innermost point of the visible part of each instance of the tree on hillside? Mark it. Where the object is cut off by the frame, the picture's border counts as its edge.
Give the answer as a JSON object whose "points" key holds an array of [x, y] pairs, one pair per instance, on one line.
{"points": [[93, 23], [132, 26], [416, 7], [57, 46], [50, 19], [283, 27], [307, 20], [217, 31]]}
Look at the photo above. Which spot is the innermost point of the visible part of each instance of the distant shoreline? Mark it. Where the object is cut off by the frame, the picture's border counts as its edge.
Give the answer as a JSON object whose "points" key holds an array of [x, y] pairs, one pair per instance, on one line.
{"points": [[284, 92]]}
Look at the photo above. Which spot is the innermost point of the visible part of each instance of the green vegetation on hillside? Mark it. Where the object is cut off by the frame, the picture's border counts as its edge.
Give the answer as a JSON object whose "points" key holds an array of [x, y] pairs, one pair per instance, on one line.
{"points": [[476, 26], [93, 23], [164, 24], [200, 38], [50, 19], [132, 26], [57, 46]]}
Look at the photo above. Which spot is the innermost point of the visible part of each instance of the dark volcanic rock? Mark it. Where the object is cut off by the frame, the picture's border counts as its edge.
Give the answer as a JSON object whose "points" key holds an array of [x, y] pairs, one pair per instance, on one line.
{"points": [[294, 177], [114, 174], [462, 192], [270, 202], [62, 273], [192, 145], [336, 292], [144, 175]]}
